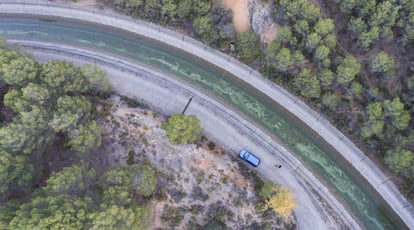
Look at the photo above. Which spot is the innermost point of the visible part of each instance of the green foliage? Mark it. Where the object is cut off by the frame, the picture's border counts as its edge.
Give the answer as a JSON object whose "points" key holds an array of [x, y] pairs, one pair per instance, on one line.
{"points": [[29, 132], [321, 53], [86, 137], [356, 89], [19, 71], [117, 195], [69, 111], [144, 179], [399, 116], [324, 27], [14, 99], [326, 77], [75, 179], [308, 84], [36, 94], [61, 212], [401, 161], [301, 28], [382, 63], [375, 123], [203, 26], [268, 190], [98, 82], [119, 218], [64, 76], [182, 129], [283, 60], [312, 41], [139, 178], [330, 100], [347, 70], [285, 35], [14, 171], [6, 56], [248, 45]]}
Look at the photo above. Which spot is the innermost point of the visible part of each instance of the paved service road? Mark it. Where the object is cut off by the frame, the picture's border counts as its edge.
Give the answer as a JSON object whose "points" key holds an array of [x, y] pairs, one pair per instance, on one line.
{"points": [[168, 95]]}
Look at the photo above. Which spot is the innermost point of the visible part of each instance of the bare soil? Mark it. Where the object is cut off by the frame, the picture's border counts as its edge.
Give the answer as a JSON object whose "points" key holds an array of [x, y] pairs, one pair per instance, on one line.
{"points": [[240, 10], [195, 183]]}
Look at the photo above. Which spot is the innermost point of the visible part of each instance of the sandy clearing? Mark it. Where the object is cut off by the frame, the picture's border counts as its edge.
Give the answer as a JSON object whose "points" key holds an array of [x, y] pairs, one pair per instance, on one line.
{"points": [[240, 9]]}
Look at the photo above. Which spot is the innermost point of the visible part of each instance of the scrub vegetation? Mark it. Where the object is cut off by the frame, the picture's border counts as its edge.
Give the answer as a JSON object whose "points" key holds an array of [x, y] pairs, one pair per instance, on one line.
{"points": [[74, 156], [351, 60]]}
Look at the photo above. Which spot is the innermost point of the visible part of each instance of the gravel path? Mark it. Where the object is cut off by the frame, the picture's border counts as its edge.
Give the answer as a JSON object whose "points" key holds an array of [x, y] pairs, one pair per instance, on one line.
{"points": [[314, 120]]}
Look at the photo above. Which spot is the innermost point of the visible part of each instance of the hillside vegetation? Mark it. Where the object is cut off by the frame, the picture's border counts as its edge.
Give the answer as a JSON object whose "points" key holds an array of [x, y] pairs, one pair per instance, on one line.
{"points": [[352, 60]]}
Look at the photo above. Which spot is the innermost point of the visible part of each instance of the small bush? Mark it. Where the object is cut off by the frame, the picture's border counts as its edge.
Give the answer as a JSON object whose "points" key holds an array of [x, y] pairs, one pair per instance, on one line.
{"points": [[211, 145]]}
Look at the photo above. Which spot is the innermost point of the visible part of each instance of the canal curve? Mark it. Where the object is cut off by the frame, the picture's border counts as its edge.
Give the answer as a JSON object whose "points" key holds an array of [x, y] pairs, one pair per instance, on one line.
{"points": [[260, 108]]}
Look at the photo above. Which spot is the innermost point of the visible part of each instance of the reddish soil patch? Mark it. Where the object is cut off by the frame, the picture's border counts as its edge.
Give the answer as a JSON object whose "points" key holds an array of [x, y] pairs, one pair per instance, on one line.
{"points": [[240, 9]]}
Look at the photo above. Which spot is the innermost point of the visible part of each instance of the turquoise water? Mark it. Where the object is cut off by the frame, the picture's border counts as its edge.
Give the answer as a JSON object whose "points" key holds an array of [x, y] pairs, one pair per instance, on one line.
{"points": [[366, 206]]}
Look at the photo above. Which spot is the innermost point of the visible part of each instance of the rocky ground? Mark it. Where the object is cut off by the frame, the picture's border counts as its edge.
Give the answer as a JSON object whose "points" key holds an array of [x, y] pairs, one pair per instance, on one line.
{"points": [[198, 183]]}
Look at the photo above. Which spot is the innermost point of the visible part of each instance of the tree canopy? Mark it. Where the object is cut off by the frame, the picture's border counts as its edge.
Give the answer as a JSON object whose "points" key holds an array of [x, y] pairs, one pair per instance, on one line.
{"points": [[182, 129]]}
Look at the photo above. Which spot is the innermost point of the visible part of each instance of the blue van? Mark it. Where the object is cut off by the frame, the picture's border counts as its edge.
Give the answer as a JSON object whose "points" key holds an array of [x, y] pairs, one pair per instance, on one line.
{"points": [[249, 157]]}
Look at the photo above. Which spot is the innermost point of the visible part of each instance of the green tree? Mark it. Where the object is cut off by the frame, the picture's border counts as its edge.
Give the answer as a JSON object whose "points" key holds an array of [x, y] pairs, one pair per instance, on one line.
{"points": [[14, 100], [119, 218], [182, 129], [321, 53], [268, 190], [36, 94], [347, 5], [64, 76], [169, 9], [329, 41], [203, 26], [326, 77], [185, 8], [301, 29], [29, 132], [347, 70], [19, 71], [86, 137], [312, 41], [356, 89], [399, 116], [284, 59], [308, 84], [324, 26], [99, 83], [6, 56], [248, 46], [382, 63], [375, 122], [330, 100], [285, 35], [366, 39], [14, 171], [144, 179], [202, 7], [61, 212], [72, 180], [70, 110], [400, 161], [117, 195]]}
